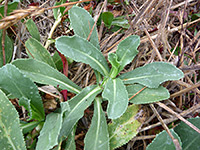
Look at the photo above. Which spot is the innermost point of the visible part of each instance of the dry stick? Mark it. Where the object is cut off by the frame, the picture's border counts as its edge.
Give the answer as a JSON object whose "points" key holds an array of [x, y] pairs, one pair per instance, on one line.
{"points": [[184, 113], [105, 2], [4, 33], [145, 39], [178, 116], [185, 90], [175, 141], [180, 4], [137, 93]]}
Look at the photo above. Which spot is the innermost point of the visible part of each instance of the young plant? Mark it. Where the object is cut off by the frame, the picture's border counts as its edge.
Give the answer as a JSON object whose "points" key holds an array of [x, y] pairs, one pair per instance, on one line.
{"points": [[18, 79]]}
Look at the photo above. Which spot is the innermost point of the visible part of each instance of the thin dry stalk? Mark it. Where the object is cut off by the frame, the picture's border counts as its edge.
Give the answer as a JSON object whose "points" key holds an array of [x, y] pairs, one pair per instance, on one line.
{"points": [[167, 121], [175, 141], [185, 90], [20, 14], [178, 116]]}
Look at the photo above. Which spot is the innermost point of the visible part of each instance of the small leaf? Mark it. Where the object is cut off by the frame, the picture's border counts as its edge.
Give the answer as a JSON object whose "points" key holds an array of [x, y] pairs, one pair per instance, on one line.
{"points": [[33, 30], [124, 128], [11, 137], [112, 58], [39, 52], [43, 73], [22, 87], [115, 92], [163, 141], [152, 75], [97, 137], [8, 49], [147, 95], [121, 23], [49, 134], [77, 105], [28, 126], [81, 50], [107, 18], [82, 23], [127, 50], [189, 137]]}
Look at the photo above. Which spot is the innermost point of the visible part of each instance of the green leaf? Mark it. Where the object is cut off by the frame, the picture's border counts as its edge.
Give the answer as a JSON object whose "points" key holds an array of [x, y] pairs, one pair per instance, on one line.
{"points": [[43, 73], [11, 137], [147, 95], [77, 105], [28, 126], [11, 6], [39, 52], [124, 128], [107, 18], [189, 137], [97, 137], [81, 50], [33, 30], [152, 75], [127, 50], [115, 92], [70, 145], [82, 23], [112, 58], [8, 49], [121, 23], [49, 134], [57, 11], [163, 141], [22, 87]]}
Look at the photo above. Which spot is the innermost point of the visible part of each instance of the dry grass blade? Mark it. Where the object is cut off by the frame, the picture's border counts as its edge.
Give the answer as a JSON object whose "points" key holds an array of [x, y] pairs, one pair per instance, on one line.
{"points": [[178, 116], [17, 15], [175, 141]]}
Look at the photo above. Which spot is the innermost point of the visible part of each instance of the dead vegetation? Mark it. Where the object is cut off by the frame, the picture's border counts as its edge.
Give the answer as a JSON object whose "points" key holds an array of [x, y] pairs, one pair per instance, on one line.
{"points": [[168, 32]]}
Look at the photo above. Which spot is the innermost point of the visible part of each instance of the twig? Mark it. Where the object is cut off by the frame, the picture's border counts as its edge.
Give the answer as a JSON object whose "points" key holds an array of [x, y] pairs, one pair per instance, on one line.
{"points": [[178, 116], [105, 2], [20, 14], [175, 141], [185, 90], [137, 93], [4, 33]]}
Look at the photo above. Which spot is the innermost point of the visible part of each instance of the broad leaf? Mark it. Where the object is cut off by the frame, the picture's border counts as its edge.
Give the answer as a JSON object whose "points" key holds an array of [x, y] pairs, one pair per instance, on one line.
{"points": [[147, 95], [117, 96], [8, 49], [22, 87], [33, 30], [152, 75], [11, 6], [127, 50], [124, 128], [43, 73], [39, 52], [163, 141], [49, 134], [81, 50], [189, 137], [82, 23], [77, 105], [10, 133], [97, 137]]}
